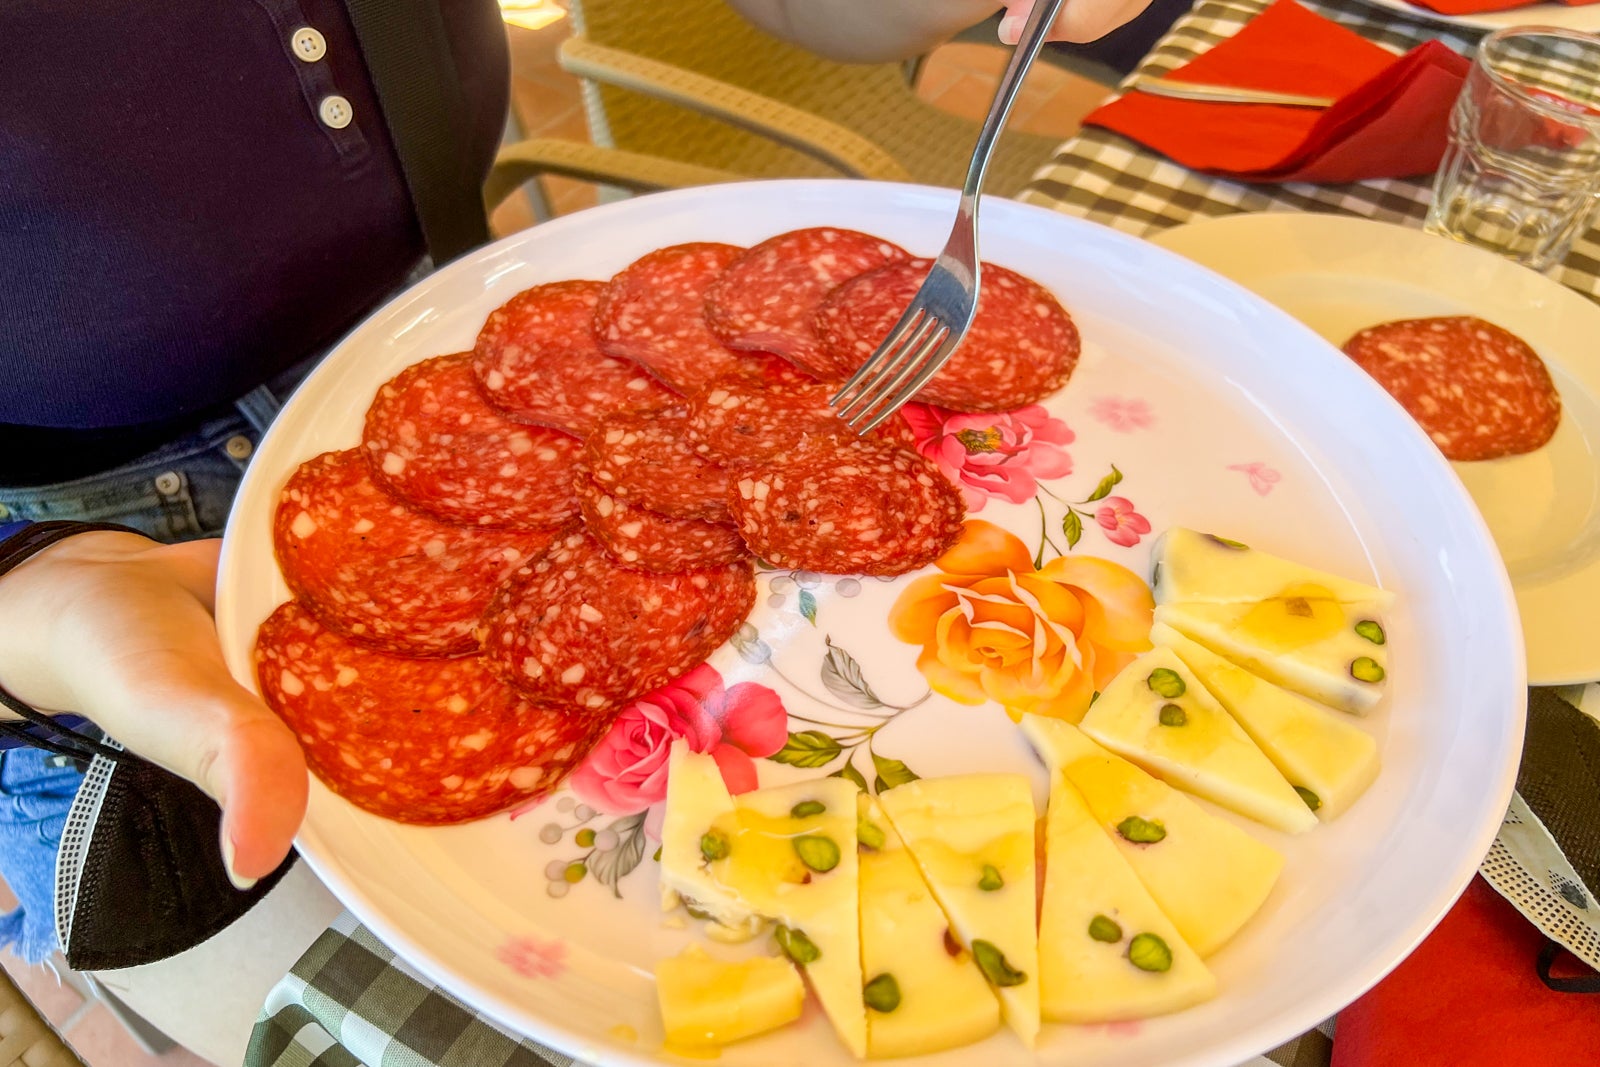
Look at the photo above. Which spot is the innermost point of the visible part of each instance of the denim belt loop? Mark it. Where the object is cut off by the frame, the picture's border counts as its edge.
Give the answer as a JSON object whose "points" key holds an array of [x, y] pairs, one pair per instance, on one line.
{"points": [[259, 407]]}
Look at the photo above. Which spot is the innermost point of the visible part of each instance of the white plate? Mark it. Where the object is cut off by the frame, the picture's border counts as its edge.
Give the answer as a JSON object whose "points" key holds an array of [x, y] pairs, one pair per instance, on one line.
{"points": [[1338, 274], [1220, 412], [1583, 17]]}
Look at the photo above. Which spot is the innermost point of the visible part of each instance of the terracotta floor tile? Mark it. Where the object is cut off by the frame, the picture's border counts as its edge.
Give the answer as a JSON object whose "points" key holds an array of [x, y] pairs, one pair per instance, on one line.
{"points": [[8, 899], [977, 58], [968, 97], [567, 195], [938, 73], [100, 1041], [55, 1000]]}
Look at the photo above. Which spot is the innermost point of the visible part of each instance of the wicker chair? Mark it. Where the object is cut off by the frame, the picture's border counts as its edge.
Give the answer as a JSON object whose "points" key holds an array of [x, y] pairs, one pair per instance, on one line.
{"points": [[688, 93], [26, 1040]]}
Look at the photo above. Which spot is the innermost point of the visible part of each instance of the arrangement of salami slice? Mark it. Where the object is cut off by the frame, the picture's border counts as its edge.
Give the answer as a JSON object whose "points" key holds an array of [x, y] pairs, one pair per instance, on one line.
{"points": [[536, 532]]}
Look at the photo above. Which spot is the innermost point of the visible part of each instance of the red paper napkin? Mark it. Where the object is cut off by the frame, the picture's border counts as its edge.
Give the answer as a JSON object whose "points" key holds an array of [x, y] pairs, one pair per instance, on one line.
{"points": [[1389, 120], [1470, 996]]}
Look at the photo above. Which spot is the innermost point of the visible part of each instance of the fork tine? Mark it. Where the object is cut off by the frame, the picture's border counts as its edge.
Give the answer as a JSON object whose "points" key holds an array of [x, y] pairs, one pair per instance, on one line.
{"points": [[900, 360], [917, 368], [926, 368], [886, 349]]}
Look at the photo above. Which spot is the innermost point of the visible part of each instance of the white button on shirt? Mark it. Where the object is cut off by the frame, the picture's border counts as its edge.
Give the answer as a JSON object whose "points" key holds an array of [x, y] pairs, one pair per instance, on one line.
{"points": [[335, 112], [308, 45]]}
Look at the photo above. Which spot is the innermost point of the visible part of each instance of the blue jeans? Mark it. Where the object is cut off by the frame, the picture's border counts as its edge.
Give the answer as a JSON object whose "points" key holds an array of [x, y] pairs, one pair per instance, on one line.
{"points": [[180, 492]]}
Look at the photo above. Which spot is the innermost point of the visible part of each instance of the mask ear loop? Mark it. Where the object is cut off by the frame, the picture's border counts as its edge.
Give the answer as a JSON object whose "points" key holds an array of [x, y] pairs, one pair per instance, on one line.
{"points": [[61, 740]]}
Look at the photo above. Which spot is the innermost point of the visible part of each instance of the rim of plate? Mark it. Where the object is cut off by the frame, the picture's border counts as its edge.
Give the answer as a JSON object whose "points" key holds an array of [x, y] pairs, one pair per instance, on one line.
{"points": [[1249, 1040]]}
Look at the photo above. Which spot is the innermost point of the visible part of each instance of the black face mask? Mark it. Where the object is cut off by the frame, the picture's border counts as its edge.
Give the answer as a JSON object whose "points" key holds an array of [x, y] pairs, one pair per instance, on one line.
{"points": [[140, 875]]}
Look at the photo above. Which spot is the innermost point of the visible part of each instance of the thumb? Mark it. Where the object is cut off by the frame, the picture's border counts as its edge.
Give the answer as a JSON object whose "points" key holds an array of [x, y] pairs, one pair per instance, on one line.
{"points": [[254, 769]]}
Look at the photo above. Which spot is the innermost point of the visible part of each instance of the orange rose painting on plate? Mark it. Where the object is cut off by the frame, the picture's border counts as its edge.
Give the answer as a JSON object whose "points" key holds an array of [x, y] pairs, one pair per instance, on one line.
{"points": [[1041, 640]]}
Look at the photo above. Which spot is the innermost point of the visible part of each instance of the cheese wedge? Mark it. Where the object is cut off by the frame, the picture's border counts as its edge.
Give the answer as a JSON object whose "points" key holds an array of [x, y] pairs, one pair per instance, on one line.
{"points": [[707, 1002], [762, 856], [1194, 567], [1328, 758], [920, 997], [1335, 653], [1207, 875], [789, 853], [697, 798], [973, 839], [1158, 714], [1106, 951]]}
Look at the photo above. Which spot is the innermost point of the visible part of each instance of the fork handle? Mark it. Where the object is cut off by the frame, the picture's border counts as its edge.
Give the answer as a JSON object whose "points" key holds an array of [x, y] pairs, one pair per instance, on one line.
{"points": [[1029, 42]]}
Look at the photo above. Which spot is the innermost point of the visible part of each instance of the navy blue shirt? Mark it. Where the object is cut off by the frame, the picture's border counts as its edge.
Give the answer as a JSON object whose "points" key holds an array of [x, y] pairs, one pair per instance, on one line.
{"points": [[195, 195]]}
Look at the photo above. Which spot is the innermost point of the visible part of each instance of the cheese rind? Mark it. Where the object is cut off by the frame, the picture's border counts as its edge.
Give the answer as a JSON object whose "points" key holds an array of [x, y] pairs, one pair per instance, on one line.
{"points": [[1208, 876], [1190, 741], [1088, 979], [1309, 644], [1314, 748], [944, 1001], [1193, 567], [709, 1002], [959, 830]]}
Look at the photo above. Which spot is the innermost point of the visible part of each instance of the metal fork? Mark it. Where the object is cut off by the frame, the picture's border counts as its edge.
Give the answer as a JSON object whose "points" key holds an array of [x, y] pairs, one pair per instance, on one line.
{"points": [[942, 311]]}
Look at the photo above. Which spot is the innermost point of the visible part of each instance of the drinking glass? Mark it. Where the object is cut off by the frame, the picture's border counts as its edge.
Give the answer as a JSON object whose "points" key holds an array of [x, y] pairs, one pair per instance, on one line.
{"points": [[1521, 176]]}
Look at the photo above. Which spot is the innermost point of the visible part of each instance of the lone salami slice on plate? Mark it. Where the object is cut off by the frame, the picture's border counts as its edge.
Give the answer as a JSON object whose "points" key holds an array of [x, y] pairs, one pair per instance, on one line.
{"points": [[381, 573], [647, 460], [538, 360], [738, 424], [1022, 346], [653, 313], [860, 508], [641, 539], [575, 627], [416, 740], [1480, 392], [437, 444], [767, 299]]}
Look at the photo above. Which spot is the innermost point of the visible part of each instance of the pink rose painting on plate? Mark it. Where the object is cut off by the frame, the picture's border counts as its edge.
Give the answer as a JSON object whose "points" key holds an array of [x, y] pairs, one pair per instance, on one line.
{"points": [[995, 454], [627, 771], [1122, 414], [1123, 525]]}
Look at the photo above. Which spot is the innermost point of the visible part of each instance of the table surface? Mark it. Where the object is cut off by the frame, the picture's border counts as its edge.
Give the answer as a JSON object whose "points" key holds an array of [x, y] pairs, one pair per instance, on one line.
{"points": [[350, 1001]]}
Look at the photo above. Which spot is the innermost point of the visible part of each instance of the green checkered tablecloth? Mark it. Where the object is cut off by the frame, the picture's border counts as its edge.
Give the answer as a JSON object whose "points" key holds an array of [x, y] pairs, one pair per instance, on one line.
{"points": [[349, 1001]]}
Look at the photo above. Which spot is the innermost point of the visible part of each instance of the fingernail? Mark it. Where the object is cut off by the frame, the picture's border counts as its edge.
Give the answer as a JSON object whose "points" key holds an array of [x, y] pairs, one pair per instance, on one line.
{"points": [[1011, 28], [239, 883]]}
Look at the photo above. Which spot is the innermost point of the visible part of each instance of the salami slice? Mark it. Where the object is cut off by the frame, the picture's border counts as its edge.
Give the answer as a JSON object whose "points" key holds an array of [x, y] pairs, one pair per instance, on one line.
{"points": [[767, 299], [1022, 347], [1480, 392], [576, 628], [382, 574], [641, 539], [435, 443], [647, 461], [416, 740], [537, 359], [862, 508], [740, 425], [653, 313]]}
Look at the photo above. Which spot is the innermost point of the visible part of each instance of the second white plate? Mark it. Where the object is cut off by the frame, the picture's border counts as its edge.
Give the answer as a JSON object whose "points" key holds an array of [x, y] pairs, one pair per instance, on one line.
{"points": [[1338, 274]]}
